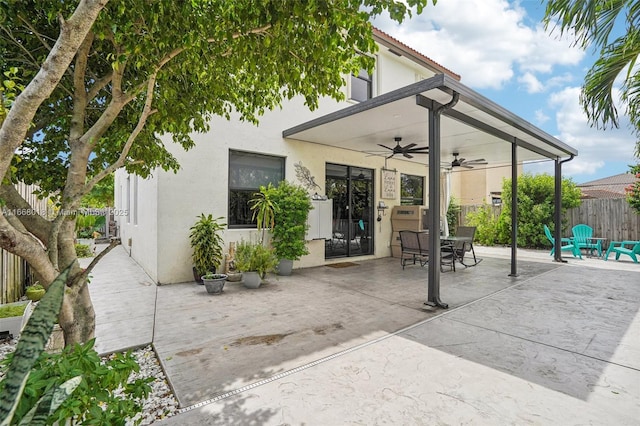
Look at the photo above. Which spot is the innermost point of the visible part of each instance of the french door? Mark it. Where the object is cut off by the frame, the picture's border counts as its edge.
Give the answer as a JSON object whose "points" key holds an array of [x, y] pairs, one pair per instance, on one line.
{"points": [[351, 189]]}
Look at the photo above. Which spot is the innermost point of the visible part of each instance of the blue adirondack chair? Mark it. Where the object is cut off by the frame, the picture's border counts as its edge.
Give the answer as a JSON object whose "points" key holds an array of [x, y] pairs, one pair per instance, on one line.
{"points": [[582, 239], [565, 244], [619, 247]]}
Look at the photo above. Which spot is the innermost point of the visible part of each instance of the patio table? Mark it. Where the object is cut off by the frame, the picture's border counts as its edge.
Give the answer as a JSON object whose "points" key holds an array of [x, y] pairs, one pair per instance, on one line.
{"points": [[594, 240]]}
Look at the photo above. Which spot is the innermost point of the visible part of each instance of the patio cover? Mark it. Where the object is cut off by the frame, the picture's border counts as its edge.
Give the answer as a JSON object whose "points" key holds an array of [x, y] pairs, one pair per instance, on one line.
{"points": [[448, 117]]}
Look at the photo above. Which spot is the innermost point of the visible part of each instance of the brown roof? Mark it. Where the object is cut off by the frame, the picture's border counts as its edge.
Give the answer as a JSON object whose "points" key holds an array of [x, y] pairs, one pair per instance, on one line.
{"points": [[609, 187], [397, 46]]}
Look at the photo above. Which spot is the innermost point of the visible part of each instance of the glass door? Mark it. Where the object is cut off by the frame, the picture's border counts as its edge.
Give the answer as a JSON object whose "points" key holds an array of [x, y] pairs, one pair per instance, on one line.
{"points": [[351, 189]]}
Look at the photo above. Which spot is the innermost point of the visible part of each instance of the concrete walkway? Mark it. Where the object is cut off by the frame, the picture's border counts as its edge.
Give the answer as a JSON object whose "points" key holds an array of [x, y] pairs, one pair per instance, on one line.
{"points": [[560, 344]]}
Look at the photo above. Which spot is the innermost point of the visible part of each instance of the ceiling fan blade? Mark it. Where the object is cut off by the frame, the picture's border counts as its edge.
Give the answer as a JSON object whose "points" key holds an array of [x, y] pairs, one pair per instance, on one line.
{"points": [[466, 166], [407, 155], [477, 161], [461, 160], [411, 145], [390, 149], [419, 149]]}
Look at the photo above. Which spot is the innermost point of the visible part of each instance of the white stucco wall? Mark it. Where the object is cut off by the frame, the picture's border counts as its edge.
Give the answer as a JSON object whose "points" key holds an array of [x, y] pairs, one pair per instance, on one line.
{"points": [[138, 232]]}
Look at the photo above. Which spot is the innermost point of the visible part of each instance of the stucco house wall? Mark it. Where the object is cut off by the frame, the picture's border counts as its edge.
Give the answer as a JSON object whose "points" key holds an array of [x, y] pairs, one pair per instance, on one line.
{"points": [[168, 204]]}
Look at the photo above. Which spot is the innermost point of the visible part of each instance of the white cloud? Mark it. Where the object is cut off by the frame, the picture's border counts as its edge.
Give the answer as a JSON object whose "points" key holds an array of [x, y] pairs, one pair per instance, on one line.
{"points": [[531, 83], [594, 146], [541, 117], [485, 41]]}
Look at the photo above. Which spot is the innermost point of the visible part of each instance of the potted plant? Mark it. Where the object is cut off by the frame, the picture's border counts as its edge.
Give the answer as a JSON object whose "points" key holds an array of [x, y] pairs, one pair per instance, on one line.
{"points": [[263, 209], [290, 224], [207, 245], [254, 260], [214, 283], [88, 229]]}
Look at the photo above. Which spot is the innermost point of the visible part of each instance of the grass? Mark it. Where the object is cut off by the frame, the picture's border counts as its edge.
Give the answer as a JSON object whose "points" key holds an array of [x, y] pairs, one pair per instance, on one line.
{"points": [[12, 310]]}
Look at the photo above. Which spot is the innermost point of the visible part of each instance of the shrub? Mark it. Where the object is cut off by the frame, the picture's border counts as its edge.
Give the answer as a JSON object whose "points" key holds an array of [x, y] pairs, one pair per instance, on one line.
{"points": [[485, 223], [83, 250], [254, 257], [453, 213], [633, 190], [104, 396], [536, 204], [290, 222]]}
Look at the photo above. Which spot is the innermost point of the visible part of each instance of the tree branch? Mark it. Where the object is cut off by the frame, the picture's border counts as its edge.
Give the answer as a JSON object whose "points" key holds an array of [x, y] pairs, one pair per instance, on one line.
{"points": [[79, 90], [85, 273], [27, 247], [34, 222], [17, 121]]}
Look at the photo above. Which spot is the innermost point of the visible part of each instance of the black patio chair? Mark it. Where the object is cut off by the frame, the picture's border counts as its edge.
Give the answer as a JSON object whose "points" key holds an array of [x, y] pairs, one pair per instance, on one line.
{"points": [[461, 247]]}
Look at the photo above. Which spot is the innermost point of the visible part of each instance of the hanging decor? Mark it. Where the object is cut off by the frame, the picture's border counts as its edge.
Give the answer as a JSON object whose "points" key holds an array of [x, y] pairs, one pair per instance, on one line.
{"points": [[388, 184]]}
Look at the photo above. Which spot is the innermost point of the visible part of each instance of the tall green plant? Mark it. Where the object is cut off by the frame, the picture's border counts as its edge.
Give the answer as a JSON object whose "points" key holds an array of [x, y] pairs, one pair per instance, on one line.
{"points": [[485, 222], [536, 204], [290, 222], [207, 243], [453, 215], [264, 210]]}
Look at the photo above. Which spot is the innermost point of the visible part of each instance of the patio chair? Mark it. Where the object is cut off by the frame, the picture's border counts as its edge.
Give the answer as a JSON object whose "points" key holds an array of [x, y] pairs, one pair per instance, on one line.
{"points": [[619, 247], [463, 247], [566, 244], [582, 239], [412, 249]]}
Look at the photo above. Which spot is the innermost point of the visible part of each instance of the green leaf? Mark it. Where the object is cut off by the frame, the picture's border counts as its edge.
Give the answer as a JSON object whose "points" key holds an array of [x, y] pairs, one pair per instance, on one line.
{"points": [[31, 343]]}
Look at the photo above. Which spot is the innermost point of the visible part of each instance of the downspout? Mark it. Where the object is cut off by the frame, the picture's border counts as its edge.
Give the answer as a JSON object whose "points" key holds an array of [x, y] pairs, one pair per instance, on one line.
{"points": [[557, 219]]}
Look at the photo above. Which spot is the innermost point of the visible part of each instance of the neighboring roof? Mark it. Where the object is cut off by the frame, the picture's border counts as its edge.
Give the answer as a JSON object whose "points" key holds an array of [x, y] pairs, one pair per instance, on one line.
{"points": [[609, 187], [398, 48]]}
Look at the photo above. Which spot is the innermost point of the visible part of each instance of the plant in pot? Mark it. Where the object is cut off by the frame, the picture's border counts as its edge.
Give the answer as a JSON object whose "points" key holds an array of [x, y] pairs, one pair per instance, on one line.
{"points": [[290, 225], [214, 283], [88, 229], [207, 245], [254, 260], [264, 209]]}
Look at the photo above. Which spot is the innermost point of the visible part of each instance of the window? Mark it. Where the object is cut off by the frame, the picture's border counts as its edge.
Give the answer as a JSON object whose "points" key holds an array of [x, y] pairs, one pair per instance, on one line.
{"points": [[361, 86], [247, 172], [411, 190]]}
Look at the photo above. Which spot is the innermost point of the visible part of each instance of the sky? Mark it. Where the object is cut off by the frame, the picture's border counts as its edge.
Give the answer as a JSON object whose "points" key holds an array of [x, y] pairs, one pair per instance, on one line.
{"points": [[501, 50]]}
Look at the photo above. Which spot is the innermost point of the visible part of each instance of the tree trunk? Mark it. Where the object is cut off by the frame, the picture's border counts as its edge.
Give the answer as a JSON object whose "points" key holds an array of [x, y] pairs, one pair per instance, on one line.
{"points": [[77, 316]]}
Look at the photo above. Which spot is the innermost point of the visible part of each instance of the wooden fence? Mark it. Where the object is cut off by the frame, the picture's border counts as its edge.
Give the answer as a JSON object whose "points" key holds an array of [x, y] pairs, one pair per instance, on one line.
{"points": [[15, 273], [611, 218]]}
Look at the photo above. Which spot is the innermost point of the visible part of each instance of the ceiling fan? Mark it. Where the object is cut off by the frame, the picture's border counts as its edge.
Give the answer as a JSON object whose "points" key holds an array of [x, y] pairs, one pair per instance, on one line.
{"points": [[467, 164], [406, 150]]}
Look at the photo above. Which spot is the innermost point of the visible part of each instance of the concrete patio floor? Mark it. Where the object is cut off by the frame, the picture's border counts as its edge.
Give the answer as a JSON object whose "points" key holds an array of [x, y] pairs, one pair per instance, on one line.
{"points": [[559, 344]]}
